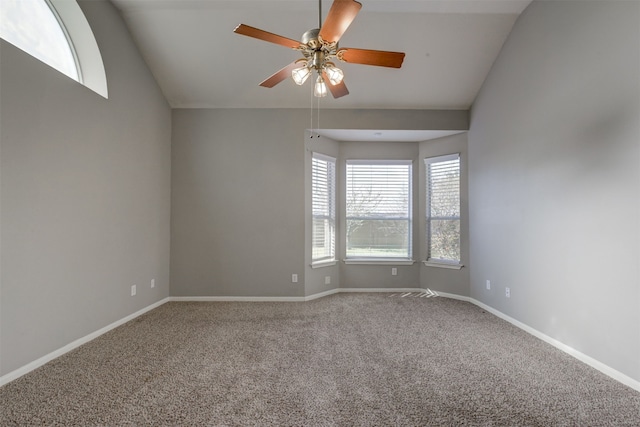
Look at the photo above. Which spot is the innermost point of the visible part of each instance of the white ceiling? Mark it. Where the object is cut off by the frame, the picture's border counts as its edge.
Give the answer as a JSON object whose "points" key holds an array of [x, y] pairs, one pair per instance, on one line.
{"points": [[199, 62]]}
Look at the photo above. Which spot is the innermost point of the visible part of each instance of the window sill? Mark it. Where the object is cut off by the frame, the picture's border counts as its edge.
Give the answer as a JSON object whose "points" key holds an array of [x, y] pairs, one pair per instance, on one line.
{"points": [[443, 264], [380, 261], [323, 264]]}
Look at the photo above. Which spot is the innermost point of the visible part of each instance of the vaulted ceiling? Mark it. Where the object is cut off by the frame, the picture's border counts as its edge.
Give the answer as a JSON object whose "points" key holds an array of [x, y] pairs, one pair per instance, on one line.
{"points": [[199, 61]]}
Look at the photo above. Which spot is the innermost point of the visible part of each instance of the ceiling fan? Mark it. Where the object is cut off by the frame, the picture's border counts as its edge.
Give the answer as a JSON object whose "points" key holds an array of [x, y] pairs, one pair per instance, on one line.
{"points": [[319, 47]]}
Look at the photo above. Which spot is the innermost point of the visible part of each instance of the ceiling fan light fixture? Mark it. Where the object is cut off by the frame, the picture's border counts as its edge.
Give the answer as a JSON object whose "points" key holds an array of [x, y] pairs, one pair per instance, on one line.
{"points": [[320, 88], [334, 73], [319, 46], [300, 75]]}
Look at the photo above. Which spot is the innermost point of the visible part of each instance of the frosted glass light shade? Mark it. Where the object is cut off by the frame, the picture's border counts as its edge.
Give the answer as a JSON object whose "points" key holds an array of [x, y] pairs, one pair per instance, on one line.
{"points": [[335, 74], [300, 75], [320, 89]]}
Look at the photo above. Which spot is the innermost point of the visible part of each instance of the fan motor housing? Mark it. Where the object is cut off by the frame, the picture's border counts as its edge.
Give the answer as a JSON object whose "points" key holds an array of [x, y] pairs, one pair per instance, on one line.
{"points": [[310, 38]]}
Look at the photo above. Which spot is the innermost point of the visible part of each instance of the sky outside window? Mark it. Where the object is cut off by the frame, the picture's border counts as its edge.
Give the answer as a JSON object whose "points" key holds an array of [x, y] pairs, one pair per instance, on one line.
{"points": [[32, 26]]}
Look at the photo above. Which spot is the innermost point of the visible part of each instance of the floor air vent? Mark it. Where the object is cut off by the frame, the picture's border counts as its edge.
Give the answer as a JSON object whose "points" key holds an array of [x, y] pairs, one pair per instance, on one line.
{"points": [[428, 293]]}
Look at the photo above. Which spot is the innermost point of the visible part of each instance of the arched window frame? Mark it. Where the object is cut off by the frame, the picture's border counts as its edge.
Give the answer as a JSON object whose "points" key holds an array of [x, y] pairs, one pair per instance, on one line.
{"points": [[82, 44], [63, 27]]}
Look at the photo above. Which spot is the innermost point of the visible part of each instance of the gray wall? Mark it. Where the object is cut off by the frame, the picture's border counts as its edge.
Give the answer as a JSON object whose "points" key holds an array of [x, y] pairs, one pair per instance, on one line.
{"points": [[237, 224], [554, 178], [85, 197], [239, 197]]}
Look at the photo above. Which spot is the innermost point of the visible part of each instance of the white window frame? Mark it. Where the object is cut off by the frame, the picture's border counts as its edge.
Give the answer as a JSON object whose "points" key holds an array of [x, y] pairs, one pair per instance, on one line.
{"points": [[327, 204], [441, 262], [83, 45], [384, 260], [35, 27]]}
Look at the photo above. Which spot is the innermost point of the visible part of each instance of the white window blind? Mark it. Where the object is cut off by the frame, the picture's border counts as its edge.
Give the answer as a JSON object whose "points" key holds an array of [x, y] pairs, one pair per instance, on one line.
{"points": [[378, 209], [443, 208], [323, 206]]}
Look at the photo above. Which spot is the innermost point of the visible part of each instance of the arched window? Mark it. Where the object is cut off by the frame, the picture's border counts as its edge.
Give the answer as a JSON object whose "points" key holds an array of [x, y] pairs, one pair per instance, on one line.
{"points": [[57, 33]]}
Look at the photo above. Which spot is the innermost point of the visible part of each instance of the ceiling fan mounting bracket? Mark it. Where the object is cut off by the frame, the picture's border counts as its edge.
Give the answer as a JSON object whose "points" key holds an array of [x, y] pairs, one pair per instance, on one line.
{"points": [[315, 50], [310, 38]]}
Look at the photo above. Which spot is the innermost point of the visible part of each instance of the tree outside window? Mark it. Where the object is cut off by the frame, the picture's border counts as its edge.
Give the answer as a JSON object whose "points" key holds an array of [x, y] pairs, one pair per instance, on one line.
{"points": [[443, 208], [378, 209]]}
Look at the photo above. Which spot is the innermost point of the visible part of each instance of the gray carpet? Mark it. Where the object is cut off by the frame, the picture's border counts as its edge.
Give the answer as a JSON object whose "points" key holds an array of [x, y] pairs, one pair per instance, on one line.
{"points": [[344, 360]]}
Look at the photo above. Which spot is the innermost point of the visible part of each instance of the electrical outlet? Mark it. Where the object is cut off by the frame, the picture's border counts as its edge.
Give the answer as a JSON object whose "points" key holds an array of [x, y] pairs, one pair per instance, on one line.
{"points": [[133, 290], [507, 292], [294, 278], [394, 271], [488, 284], [327, 280], [153, 283]]}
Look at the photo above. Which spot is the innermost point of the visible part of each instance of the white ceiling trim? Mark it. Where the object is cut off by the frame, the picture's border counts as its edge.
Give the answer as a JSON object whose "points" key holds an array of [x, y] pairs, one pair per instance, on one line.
{"points": [[381, 135]]}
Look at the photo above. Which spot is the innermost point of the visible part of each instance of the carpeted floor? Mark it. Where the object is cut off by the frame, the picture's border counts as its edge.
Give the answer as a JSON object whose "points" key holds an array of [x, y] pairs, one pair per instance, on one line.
{"points": [[343, 360]]}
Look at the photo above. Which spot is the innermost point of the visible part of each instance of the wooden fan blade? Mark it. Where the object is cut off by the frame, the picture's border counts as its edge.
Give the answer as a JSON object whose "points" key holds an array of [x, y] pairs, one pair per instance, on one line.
{"points": [[379, 58], [340, 16], [338, 90], [256, 33], [279, 76]]}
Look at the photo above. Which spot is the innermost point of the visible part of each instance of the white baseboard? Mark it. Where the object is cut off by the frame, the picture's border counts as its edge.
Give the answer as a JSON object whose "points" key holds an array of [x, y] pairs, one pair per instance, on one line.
{"points": [[321, 294], [453, 296], [292, 299], [351, 290], [238, 299], [605, 369], [73, 345], [387, 290]]}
